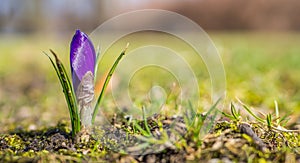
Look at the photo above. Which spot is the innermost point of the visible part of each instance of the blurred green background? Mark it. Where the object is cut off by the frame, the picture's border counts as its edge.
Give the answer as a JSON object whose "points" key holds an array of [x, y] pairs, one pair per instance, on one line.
{"points": [[258, 43]]}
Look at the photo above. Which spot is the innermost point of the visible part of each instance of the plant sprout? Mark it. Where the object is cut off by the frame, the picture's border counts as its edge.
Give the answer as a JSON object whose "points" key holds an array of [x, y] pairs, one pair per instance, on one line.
{"points": [[80, 93], [269, 120], [82, 62]]}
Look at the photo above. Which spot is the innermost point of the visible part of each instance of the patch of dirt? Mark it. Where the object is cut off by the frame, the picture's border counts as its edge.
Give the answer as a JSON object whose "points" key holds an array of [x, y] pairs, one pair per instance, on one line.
{"points": [[170, 142]]}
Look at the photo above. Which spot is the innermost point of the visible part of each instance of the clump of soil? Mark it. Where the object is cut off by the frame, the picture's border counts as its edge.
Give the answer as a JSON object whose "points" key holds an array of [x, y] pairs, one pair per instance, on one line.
{"points": [[170, 141]]}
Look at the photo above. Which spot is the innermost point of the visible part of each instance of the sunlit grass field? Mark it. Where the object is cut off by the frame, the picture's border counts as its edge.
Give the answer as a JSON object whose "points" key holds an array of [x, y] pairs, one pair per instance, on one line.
{"points": [[260, 68]]}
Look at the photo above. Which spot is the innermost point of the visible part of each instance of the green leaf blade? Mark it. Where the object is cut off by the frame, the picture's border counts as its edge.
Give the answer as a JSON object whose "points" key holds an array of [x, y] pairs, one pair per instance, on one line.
{"points": [[108, 77], [68, 92]]}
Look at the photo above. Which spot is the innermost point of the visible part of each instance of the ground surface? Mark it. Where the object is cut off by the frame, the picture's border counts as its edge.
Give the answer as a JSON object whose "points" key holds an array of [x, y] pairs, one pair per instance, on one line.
{"points": [[227, 141]]}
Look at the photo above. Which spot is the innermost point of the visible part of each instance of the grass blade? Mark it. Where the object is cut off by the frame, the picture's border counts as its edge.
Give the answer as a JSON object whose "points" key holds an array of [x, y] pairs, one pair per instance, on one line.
{"points": [[211, 115], [250, 112], [234, 113], [97, 61], [276, 112], [145, 120], [269, 120], [68, 92], [228, 116], [108, 77]]}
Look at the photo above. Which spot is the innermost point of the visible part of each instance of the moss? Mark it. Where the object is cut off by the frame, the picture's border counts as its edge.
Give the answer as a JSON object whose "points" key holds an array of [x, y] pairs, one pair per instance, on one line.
{"points": [[225, 142], [12, 142]]}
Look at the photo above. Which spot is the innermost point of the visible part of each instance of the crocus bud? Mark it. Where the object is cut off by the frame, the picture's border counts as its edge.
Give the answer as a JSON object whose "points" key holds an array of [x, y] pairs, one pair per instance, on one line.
{"points": [[82, 60]]}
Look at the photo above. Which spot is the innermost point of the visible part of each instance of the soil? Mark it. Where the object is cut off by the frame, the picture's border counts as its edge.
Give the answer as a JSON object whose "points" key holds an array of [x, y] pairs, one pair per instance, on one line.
{"points": [[228, 141]]}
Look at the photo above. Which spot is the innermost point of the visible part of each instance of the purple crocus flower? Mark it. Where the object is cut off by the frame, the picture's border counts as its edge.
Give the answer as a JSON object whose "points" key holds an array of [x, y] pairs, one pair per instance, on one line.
{"points": [[82, 57], [82, 60]]}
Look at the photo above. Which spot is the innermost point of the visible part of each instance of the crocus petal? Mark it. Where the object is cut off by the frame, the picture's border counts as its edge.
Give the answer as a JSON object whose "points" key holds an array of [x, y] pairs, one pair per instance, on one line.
{"points": [[82, 57]]}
